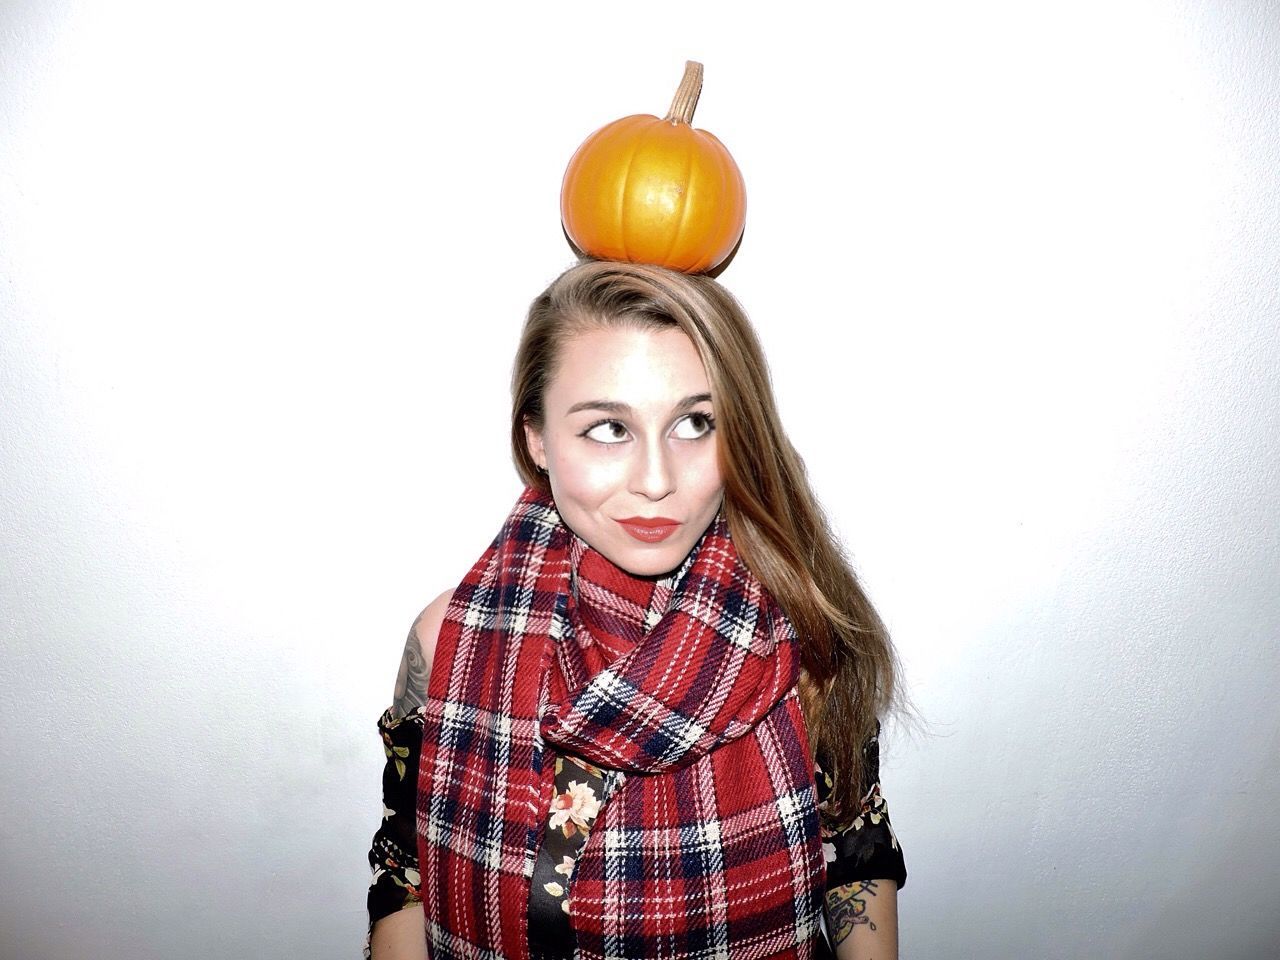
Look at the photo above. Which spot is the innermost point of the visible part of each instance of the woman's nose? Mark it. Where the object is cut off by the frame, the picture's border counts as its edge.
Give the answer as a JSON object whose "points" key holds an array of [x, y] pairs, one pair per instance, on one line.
{"points": [[653, 475]]}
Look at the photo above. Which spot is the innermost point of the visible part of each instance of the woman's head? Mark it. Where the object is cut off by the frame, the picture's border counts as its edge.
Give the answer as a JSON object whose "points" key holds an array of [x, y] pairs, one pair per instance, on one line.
{"points": [[628, 445], [626, 379]]}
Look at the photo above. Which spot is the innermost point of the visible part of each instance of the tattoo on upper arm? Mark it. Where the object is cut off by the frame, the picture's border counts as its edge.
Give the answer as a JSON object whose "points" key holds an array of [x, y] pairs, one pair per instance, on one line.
{"points": [[847, 908], [411, 681]]}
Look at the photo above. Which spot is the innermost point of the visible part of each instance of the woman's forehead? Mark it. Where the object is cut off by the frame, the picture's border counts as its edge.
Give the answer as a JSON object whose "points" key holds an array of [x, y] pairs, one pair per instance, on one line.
{"points": [[642, 369]]}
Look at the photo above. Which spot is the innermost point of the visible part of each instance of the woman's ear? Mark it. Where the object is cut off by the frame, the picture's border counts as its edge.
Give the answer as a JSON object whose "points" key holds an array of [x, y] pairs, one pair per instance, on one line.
{"points": [[533, 440]]}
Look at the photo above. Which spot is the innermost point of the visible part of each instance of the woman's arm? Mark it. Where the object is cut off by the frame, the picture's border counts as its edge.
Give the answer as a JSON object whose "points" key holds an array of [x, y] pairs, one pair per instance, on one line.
{"points": [[419, 651], [862, 918], [865, 868], [400, 935]]}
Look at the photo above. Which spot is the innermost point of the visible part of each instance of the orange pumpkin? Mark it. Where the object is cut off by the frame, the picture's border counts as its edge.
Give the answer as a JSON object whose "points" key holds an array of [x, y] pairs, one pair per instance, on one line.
{"points": [[656, 191]]}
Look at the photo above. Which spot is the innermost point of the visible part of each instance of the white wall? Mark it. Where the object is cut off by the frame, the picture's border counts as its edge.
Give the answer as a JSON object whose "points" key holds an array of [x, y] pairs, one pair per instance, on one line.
{"points": [[262, 266]]}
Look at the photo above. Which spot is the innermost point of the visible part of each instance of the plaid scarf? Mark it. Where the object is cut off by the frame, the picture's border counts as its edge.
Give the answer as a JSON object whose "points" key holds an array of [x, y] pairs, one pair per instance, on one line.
{"points": [[682, 690]]}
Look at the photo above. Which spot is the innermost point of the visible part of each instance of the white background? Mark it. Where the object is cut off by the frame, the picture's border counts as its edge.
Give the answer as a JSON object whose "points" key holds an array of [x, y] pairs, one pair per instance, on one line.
{"points": [[262, 269]]}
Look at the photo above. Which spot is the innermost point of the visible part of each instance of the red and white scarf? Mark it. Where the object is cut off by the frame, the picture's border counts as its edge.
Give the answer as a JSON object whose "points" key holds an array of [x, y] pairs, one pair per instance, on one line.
{"points": [[707, 844]]}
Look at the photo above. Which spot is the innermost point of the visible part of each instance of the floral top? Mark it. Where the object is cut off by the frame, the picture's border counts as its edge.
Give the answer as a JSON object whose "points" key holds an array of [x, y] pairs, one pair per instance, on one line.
{"points": [[864, 850]]}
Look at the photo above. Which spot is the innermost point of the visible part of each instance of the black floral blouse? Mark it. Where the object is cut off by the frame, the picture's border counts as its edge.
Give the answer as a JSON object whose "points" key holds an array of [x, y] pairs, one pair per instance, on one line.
{"points": [[864, 850]]}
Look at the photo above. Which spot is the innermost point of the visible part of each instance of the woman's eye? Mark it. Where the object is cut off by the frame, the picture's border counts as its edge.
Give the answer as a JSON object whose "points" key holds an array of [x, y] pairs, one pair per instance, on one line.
{"points": [[694, 426], [607, 431]]}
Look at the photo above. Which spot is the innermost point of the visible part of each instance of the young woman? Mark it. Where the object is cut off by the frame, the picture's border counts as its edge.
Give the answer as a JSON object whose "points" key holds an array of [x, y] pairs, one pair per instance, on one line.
{"points": [[644, 724]]}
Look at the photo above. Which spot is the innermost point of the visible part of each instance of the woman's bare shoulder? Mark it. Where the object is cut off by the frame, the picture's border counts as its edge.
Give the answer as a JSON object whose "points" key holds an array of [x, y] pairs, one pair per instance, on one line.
{"points": [[419, 651], [427, 627]]}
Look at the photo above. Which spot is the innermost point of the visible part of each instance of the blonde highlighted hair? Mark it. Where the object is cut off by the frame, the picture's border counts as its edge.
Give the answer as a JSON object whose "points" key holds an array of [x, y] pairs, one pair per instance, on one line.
{"points": [[847, 680]]}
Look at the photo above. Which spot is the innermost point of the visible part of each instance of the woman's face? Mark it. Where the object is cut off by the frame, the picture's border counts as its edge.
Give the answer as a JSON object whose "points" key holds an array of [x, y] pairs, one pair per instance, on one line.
{"points": [[629, 436]]}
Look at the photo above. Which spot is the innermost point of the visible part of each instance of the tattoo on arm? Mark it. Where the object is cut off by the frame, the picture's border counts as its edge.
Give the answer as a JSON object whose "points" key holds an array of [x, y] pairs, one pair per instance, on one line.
{"points": [[847, 908], [411, 681]]}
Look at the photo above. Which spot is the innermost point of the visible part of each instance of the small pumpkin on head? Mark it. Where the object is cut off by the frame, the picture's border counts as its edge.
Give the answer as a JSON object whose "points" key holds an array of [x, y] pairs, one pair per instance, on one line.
{"points": [[656, 191]]}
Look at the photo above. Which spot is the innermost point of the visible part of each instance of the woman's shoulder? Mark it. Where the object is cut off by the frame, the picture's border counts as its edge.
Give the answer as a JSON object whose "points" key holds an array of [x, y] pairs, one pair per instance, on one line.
{"points": [[419, 652], [427, 626]]}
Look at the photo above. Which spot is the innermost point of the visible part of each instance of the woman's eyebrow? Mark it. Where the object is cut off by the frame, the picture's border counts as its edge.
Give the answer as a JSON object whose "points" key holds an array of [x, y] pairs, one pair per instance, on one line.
{"points": [[614, 406]]}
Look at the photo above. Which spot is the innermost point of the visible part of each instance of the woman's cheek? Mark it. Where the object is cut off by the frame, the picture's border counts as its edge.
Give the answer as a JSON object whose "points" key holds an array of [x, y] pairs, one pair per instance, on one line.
{"points": [[706, 471], [589, 481], [604, 473]]}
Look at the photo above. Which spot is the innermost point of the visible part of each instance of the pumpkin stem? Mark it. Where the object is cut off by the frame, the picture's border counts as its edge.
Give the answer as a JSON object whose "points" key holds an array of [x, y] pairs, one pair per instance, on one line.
{"points": [[686, 98]]}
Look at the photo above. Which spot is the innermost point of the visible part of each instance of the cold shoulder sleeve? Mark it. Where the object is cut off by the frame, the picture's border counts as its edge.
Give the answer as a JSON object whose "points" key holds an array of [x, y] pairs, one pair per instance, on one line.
{"points": [[393, 855], [866, 848]]}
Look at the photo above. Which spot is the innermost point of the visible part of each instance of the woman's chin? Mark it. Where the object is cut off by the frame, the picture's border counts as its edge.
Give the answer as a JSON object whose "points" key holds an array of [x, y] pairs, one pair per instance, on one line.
{"points": [[656, 560]]}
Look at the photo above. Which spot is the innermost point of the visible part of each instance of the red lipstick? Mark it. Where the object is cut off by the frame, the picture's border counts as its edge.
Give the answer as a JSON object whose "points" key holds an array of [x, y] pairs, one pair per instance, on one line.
{"points": [[650, 529]]}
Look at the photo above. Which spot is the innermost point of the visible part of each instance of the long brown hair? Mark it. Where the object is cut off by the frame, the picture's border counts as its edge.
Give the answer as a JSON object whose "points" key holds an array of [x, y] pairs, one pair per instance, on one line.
{"points": [[848, 663]]}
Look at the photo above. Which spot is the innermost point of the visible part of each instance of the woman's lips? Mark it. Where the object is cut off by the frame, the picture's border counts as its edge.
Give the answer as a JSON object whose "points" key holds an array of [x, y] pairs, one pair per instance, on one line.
{"points": [[650, 529]]}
